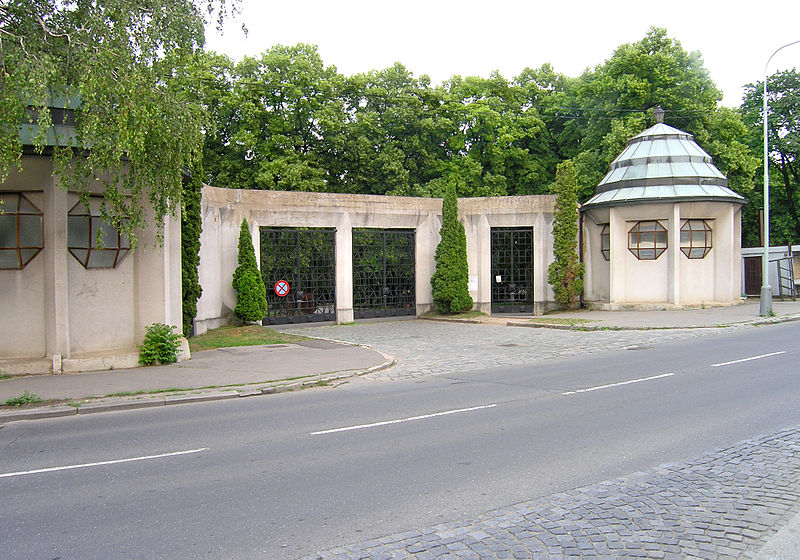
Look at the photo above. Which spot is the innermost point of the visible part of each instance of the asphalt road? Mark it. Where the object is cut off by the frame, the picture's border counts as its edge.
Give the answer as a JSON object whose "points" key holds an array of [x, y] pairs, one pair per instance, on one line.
{"points": [[285, 475]]}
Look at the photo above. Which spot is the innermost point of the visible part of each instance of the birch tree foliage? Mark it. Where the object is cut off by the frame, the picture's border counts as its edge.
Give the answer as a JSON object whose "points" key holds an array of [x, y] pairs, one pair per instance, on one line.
{"points": [[121, 65]]}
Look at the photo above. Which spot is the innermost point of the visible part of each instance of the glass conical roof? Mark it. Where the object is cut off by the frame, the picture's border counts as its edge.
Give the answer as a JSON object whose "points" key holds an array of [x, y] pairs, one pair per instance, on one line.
{"points": [[662, 163]]}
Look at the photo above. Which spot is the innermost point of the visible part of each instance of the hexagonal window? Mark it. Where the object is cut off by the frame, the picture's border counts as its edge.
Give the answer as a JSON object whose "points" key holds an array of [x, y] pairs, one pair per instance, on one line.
{"points": [[647, 240], [696, 238], [91, 240], [21, 231]]}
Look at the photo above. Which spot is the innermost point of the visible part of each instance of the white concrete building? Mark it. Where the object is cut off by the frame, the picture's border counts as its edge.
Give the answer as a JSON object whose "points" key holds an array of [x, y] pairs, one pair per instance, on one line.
{"points": [[68, 304], [663, 229]]}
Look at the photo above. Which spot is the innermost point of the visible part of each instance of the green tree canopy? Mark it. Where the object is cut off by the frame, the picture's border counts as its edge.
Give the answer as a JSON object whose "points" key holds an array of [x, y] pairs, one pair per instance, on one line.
{"points": [[613, 102], [270, 122], [783, 119], [121, 64]]}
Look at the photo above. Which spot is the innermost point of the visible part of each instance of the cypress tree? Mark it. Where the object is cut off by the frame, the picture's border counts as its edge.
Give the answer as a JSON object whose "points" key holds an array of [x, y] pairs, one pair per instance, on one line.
{"points": [[450, 281], [565, 273], [191, 227], [251, 295]]}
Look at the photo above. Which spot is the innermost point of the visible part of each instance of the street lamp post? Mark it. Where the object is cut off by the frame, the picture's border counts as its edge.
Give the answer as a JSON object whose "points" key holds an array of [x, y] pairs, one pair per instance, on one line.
{"points": [[766, 290]]}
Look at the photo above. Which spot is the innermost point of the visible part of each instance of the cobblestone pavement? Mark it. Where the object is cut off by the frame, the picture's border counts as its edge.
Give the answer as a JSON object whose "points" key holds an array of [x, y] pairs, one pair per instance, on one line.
{"points": [[441, 348], [725, 504]]}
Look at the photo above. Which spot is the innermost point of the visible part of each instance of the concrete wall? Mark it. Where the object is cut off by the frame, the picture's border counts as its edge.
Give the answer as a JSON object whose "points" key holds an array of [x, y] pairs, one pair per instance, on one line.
{"points": [[481, 214], [224, 209], [71, 318], [672, 280], [715, 278], [25, 293], [597, 275]]}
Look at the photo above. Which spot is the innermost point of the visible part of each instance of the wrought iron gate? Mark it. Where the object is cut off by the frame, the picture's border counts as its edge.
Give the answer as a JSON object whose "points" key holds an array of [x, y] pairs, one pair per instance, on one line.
{"points": [[306, 259], [512, 270], [384, 279]]}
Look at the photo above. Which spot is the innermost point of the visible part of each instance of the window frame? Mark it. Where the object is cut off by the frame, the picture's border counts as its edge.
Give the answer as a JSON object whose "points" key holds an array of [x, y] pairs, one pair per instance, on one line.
{"points": [[21, 250], [642, 249], [605, 241], [95, 254], [689, 248]]}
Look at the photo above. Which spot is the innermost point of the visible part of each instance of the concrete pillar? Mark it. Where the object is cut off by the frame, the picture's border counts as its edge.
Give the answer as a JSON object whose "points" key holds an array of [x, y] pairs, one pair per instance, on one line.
{"points": [[484, 265], [726, 254], [56, 273], [618, 245], [426, 240], [674, 255], [172, 264], [737, 287], [542, 257], [344, 270]]}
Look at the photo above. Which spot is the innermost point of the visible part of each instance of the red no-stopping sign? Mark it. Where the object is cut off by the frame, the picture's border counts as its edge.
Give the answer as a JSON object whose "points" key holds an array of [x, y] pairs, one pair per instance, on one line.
{"points": [[281, 288]]}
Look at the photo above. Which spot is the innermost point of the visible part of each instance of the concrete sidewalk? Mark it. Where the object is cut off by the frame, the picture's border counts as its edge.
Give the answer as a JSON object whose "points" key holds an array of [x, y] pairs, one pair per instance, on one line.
{"points": [[209, 375], [745, 313]]}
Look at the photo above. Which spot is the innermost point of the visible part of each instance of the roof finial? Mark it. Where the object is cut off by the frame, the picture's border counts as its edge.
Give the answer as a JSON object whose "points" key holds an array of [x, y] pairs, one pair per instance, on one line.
{"points": [[659, 114]]}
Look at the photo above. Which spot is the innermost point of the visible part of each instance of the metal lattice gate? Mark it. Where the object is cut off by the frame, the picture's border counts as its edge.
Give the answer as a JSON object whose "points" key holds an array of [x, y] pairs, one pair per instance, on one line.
{"points": [[384, 273], [306, 259], [512, 270]]}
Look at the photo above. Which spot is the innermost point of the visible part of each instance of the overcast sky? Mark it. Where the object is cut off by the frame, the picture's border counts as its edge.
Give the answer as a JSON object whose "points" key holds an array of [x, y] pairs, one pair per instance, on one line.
{"points": [[442, 38]]}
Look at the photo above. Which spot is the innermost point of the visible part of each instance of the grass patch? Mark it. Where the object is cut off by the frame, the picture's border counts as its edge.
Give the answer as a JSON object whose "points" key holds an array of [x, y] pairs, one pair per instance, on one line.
{"points": [[152, 391], [571, 321], [248, 335], [5, 376], [463, 315], [24, 398]]}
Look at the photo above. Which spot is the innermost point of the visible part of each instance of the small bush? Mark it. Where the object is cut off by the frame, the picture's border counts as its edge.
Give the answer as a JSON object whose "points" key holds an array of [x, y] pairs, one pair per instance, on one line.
{"points": [[160, 346], [24, 398]]}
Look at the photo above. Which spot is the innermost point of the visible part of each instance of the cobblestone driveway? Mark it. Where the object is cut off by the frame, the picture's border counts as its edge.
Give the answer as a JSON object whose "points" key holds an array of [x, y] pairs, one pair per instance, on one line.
{"points": [[441, 348], [725, 504]]}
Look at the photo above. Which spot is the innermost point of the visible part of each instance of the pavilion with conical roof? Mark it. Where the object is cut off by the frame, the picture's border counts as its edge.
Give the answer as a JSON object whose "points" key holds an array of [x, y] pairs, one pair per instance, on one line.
{"points": [[663, 229]]}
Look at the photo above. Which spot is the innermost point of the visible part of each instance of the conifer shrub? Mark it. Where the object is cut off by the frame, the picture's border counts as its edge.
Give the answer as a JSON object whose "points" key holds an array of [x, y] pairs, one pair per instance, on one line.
{"points": [[251, 294], [191, 227], [450, 281], [565, 273]]}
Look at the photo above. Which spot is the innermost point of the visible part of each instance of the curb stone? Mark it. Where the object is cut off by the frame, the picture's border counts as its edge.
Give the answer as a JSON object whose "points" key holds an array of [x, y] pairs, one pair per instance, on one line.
{"points": [[36, 413], [201, 397], [91, 408], [588, 327], [190, 397], [585, 327]]}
